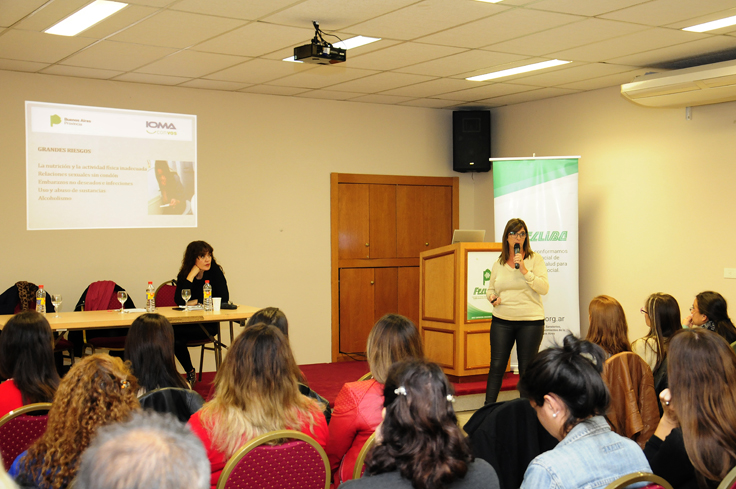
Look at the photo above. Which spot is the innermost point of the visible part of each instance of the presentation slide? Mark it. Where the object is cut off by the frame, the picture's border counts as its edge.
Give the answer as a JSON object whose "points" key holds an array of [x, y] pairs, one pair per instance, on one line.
{"points": [[102, 168]]}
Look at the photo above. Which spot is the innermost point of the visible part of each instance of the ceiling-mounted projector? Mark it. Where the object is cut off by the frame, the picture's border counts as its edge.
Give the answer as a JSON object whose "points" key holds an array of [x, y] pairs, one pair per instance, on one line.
{"points": [[319, 51]]}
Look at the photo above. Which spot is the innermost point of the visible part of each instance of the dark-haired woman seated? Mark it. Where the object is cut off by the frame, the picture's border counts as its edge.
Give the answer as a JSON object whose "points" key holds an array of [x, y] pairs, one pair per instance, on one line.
{"points": [[419, 443], [710, 311], [149, 347], [27, 361], [565, 388]]}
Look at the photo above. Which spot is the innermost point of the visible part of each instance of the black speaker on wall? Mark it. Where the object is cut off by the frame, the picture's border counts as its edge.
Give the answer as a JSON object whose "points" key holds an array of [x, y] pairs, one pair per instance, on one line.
{"points": [[471, 140]]}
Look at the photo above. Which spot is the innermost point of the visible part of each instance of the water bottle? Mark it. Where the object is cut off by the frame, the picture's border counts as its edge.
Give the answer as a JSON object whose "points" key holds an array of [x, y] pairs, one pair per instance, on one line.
{"points": [[150, 298], [41, 300], [207, 296]]}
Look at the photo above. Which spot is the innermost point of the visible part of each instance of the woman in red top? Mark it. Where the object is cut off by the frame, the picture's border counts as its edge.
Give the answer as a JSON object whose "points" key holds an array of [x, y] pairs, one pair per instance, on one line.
{"points": [[27, 361], [256, 392], [358, 406]]}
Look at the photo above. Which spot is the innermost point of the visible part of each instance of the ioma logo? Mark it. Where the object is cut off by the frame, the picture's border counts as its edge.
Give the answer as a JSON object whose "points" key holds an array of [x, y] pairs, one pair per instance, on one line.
{"points": [[160, 125], [55, 119]]}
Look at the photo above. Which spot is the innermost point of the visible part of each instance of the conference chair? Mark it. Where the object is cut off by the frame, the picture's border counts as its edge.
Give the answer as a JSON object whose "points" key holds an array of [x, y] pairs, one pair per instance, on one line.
{"points": [[20, 428], [360, 461], [729, 482], [166, 297], [182, 403], [655, 481], [367, 376], [299, 463]]}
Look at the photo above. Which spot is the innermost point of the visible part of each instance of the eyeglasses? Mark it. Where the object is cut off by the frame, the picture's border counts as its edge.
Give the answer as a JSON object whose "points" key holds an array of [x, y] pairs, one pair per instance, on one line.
{"points": [[643, 311], [522, 234]]}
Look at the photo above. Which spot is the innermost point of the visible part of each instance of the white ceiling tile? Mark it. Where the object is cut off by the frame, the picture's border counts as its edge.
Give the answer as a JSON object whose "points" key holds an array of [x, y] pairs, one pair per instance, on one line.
{"points": [[335, 14], [11, 11], [380, 99], [663, 12], [177, 29], [122, 19], [432, 88], [606, 81], [678, 52], [585, 7], [518, 98], [576, 72], [505, 66], [402, 55], [462, 63], [214, 85], [150, 3], [50, 14], [80, 72], [151, 79], [638, 42], [272, 90], [501, 27], [260, 71], [14, 65], [430, 103], [190, 64], [436, 15], [379, 82], [37, 46], [702, 19], [256, 39], [232, 9], [120, 56], [322, 76], [329, 94], [486, 91], [567, 36]]}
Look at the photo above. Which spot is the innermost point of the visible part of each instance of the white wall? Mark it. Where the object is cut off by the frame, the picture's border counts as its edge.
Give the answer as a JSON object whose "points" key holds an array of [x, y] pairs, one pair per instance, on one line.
{"points": [[264, 193], [657, 193]]}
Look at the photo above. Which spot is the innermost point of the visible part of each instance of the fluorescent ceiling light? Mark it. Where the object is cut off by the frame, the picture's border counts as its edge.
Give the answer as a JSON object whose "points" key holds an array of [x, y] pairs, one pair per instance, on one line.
{"points": [[520, 69], [710, 26], [85, 18], [291, 60], [351, 43], [490, 1]]}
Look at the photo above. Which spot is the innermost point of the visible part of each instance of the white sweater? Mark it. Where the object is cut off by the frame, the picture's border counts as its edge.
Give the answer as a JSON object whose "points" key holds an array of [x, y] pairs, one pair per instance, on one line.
{"points": [[521, 295]]}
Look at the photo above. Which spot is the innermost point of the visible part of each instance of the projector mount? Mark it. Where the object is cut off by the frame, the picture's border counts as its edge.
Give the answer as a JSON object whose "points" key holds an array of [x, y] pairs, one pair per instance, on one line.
{"points": [[319, 51]]}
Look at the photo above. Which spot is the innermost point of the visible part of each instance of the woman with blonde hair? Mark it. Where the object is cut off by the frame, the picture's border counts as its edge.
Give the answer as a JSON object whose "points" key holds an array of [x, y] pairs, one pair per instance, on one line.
{"points": [[608, 327], [256, 392], [97, 391], [358, 406]]}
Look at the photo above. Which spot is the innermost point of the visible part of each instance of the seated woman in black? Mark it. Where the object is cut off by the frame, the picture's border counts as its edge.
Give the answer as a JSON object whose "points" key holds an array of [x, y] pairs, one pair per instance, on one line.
{"points": [[198, 266]]}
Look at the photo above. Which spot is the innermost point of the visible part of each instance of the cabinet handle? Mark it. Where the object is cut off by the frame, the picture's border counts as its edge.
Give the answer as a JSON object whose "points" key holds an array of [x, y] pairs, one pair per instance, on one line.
{"points": [[371, 282], [367, 244], [426, 244]]}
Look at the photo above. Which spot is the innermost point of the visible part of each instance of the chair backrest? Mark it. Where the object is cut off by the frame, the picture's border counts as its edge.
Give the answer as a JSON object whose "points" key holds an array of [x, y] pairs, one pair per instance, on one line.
{"points": [[300, 463], [180, 402], [166, 294], [728, 482], [656, 482], [367, 376], [360, 461], [18, 429]]}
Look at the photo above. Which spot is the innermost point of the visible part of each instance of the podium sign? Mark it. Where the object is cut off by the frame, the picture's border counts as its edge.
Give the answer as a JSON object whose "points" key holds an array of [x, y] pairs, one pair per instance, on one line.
{"points": [[479, 268]]}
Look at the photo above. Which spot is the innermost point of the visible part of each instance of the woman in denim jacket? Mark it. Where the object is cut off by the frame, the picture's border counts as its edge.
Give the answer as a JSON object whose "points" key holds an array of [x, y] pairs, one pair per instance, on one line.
{"points": [[565, 388]]}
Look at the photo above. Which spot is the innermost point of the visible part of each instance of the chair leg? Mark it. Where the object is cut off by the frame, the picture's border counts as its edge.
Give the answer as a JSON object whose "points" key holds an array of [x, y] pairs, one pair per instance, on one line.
{"points": [[201, 362]]}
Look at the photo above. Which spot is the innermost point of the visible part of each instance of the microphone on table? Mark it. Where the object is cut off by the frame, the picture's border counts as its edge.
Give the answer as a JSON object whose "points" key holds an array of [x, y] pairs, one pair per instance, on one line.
{"points": [[516, 251]]}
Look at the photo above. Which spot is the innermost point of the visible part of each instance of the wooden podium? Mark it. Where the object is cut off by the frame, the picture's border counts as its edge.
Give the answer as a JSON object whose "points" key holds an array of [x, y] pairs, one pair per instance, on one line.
{"points": [[456, 333]]}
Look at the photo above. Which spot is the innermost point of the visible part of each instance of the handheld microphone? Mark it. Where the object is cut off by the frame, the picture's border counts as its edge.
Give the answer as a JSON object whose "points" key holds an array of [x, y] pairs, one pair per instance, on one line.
{"points": [[516, 250]]}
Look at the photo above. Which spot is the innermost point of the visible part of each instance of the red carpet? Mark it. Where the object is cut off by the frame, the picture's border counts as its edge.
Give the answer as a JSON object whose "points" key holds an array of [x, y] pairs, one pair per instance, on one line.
{"points": [[328, 378]]}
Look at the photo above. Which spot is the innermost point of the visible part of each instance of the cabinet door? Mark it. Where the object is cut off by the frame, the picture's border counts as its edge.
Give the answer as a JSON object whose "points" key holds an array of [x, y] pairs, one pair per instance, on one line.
{"points": [[409, 293], [385, 292], [382, 221], [353, 220], [423, 218], [356, 306]]}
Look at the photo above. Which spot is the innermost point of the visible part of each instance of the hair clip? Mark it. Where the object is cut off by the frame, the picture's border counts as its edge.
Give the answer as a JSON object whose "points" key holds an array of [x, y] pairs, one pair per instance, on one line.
{"points": [[124, 384], [400, 390], [450, 398], [589, 357]]}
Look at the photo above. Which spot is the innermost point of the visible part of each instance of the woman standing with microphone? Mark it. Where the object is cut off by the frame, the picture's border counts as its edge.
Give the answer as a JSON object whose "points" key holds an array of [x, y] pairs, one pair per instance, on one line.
{"points": [[518, 280]]}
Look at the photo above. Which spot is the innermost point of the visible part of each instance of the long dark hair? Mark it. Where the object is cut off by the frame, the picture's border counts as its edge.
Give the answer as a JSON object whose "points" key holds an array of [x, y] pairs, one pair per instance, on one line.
{"points": [[421, 438], [514, 225], [196, 249], [573, 373], [270, 315], [149, 347], [664, 319], [702, 373], [714, 307], [27, 356]]}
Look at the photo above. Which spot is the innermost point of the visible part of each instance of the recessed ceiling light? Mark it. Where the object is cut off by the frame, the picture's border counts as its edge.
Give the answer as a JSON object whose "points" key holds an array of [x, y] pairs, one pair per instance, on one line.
{"points": [[710, 26], [351, 43], [520, 69], [490, 1], [85, 18], [291, 60]]}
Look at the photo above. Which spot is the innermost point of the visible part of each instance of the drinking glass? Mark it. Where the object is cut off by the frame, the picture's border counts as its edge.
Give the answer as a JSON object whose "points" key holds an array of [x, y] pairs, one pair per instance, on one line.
{"points": [[56, 301], [122, 297], [186, 294]]}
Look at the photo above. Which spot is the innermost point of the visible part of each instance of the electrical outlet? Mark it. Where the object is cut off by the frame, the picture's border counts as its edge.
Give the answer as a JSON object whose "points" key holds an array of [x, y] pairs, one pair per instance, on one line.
{"points": [[729, 273]]}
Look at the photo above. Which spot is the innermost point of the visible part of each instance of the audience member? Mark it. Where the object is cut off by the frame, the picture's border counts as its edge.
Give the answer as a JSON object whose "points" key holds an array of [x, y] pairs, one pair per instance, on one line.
{"points": [[149, 451], [695, 442], [608, 328], [149, 347], [97, 390], [565, 388], [710, 311], [27, 361], [358, 404], [419, 444], [256, 391]]}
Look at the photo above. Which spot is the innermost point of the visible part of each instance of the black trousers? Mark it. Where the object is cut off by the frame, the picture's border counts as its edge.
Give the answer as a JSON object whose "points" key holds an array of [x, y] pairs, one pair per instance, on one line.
{"points": [[526, 334], [183, 333]]}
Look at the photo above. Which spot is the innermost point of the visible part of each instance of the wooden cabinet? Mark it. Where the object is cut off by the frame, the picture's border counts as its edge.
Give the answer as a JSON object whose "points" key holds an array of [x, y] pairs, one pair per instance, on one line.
{"points": [[379, 226]]}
